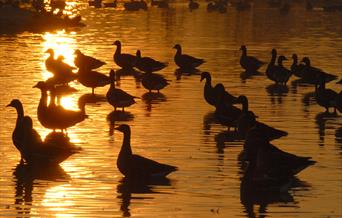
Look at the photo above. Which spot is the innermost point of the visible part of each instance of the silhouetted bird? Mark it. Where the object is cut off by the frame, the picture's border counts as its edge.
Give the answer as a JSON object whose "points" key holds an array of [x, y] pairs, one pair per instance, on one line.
{"points": [[117, 97], [209, 91], [83, 61], [186, 61], [92, 79], [193, 5], [270, 71], [125, 61], [325, 97], [147, 64], [281, 74], [296, 69], [153, 81], [135, 166], [249, 63]]}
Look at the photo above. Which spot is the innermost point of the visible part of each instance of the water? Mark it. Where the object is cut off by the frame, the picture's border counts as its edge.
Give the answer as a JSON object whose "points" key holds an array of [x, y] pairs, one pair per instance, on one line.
{"points": [[177, 127]]}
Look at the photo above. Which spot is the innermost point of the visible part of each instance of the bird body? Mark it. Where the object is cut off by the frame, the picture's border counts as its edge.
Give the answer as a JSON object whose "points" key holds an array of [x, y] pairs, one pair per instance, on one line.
{"points": [[312, 74], [186, 61], [83, 61], [209, 91], [125, 61], [153, 81], [92, 79], [147, 64], [249, 63]]}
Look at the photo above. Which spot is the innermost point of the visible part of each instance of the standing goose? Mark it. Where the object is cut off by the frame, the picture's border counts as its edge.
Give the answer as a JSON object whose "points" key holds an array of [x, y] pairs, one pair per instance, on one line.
{"points": [[63, 72], [312, 74], [281, 74], [136, 166], [125, 61], [117, 97], [50, 62], [153, 81], [30, 145], [56, 117], [186, 61], [147, 64], [92, 79], [325, 97], [83, 61], [296, 69], [209, 92], [270, 68], [249, 63], [227, 99]]}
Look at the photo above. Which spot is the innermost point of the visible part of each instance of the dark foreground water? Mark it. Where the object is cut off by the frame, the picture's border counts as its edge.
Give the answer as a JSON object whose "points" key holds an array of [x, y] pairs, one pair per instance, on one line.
{"points": [[176, 127]]}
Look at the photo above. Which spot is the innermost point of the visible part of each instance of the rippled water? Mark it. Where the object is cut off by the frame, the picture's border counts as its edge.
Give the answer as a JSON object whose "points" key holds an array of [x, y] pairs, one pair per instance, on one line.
{"points": [[177, 127]]}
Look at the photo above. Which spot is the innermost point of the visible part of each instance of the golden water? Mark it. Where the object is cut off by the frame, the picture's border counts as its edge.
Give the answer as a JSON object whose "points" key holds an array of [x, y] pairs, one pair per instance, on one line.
{"points": [[176, 129]]}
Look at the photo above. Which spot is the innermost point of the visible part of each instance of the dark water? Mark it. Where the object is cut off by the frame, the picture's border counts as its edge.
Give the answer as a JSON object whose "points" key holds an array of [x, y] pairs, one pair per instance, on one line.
{"points": [[176, 127]]}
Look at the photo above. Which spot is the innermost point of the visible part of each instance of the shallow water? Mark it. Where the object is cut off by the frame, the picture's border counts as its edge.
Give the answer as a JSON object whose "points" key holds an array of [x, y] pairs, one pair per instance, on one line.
{"points": [[176, 127]]}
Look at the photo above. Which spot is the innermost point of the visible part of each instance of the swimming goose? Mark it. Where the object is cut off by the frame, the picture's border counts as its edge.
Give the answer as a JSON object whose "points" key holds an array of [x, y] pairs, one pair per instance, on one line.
{"points": [[275, 162], [125, 61], [117, 97], [270, 67], [186, 61], [281, 74], [325, 97], [312, 74], [136, 166], [92, 79], [30, 145], [147, 64], [296, 69], [249, 63], [83, 61], [209, 91], [153, 81], [193, 5], [56, 117]]}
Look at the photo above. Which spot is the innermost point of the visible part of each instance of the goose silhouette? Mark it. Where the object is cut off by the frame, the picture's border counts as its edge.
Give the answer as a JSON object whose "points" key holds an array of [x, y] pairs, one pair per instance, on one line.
{"points": [[271, 66], [249, 63], [135, 166], [125, 61], [209, 91], [326, 97], [30, 145], [280, 73], [312, 74], [193, 5], [296, 69], [153, 81], [147, 64], [83, 61], [92, 79], [185, 61]]}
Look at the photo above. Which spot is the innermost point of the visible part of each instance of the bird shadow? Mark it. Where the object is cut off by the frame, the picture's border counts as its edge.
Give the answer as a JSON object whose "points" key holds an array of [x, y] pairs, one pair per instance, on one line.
{"points": [[321, 119], [179, 72], [25, 176], [115, 116], [127, 188], [151, 98], [209, 119], [92, 98]]}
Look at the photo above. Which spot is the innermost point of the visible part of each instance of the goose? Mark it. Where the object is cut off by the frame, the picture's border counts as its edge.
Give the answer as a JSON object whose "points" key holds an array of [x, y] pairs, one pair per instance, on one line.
{"points": [[270, 68], [125, 61], [248, 121], [135, 166], [83, 61], [281, 74], [193, 5], [186, 61], [296, 69], [30, 145], [92, 79], [275, 162], [209, 91], [117, 97], [325, 97], [249, 63], [62, 73], [50, 62], [56, 117], [312, 74], [147, 64], [227, 99], [154, 81]]}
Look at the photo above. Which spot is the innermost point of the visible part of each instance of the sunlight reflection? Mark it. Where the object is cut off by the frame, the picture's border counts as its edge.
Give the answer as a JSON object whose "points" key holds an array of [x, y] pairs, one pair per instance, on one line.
{"points": [[69, 103], [56, 199], [63, 44]]}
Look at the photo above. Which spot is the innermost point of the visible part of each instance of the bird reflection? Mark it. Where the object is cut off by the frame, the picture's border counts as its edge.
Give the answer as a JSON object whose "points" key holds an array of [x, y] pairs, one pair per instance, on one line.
{"points": [[179, 72], [249, 75], [118, 116], [309, 99], [321, 119], [25, 175], [92, 98], [127, 187], [128, 72], [208, 120], [276, 92], [338, 136], [151, 98], [226, 136]]}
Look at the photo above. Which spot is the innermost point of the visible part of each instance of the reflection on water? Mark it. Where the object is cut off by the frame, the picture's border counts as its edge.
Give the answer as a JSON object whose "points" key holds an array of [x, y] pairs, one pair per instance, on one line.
{"points": [[177, 126]]}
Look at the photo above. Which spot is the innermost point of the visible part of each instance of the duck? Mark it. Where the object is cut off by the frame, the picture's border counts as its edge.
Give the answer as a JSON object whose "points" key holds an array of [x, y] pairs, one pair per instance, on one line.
{"points": [[154, 81], [117, 97], [125, 61], [296, 69], [32, 148], [92, 79], [83, 61], [147, 64], [247, 121], [193, 5], [135, 166], [249, 63], [209, 91], [186, 61], [56, 117], [281, 74], [275, 163], [312, 74], [271, 65], [325, 97]]}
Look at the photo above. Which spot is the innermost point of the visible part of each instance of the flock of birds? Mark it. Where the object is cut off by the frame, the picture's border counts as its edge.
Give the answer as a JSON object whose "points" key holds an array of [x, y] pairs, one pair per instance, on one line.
{"points": [[267, 166]]}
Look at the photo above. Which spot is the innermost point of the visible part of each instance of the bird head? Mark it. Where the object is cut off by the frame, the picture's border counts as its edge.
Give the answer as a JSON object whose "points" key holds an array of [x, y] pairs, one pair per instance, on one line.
{"points": [[205, 75], [50, 51], [40, 85], [117, 43], [243, 48], [14, 103], [124, 128], [177, 46]]}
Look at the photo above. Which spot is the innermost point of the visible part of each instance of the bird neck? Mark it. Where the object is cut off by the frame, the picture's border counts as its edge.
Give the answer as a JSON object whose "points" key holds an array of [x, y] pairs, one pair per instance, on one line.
{"points": [[208, 81], [43, 99], [273, 59], [244, 52], [179, 51], [126, 144], [245, 106], [280, 63], [295, 61], [118, 50], [20, 112]]}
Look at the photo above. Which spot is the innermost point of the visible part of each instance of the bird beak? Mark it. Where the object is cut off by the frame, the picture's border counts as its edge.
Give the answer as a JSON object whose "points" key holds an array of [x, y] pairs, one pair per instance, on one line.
{"points": [[9, 105], [35, 86]]}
